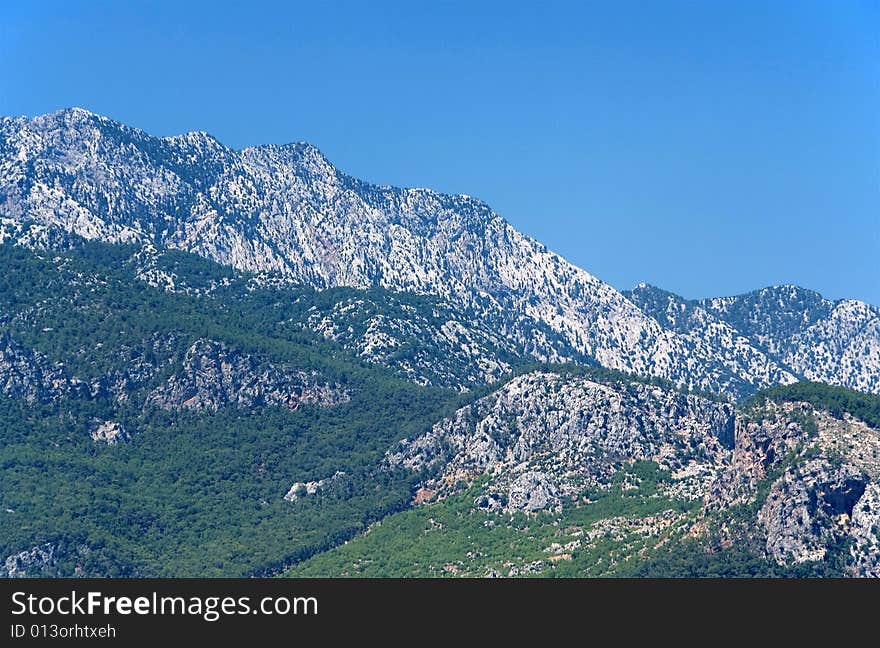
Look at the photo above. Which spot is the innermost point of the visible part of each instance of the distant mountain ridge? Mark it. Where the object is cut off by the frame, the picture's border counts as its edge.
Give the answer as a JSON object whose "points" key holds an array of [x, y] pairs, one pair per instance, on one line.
{"points": [[813, 337], [285, 213]]}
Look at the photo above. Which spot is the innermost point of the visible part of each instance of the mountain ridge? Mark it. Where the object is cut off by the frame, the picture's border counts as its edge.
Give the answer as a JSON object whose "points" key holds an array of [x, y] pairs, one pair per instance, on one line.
{"points": [[816, 338], [286, 212]]}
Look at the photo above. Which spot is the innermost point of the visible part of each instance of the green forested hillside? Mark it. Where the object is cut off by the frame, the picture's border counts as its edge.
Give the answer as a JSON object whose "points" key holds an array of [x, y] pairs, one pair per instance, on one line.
{"points": [[452, 538], [192, 492], [835, 399]]}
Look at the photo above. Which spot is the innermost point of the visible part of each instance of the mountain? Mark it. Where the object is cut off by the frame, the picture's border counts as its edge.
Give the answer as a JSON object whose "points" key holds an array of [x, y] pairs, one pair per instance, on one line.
{"points": [[213, 429], [246, 363], [809, 336], [156, 432], [636, 480], [545, 437], [286, 214]]}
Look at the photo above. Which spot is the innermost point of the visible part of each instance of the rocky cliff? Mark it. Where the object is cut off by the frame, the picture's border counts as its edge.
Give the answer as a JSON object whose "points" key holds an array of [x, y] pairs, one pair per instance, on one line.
{"points": [[544, 438], [213, 375], [791, 478]]}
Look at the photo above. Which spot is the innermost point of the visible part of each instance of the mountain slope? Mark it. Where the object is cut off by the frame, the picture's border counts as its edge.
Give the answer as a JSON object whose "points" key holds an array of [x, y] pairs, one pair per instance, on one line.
{"points": [[636, 481], [797, 329], [286, 213], [825, 341], [148, 432], [208, 430], [543, 438]]}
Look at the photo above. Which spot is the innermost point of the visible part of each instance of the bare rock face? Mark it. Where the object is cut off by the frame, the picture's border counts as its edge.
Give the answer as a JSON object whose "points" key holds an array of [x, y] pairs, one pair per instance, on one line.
{"points": [[286, 214], [543, 437], [214, 375], [865, 530], [28, 375], [532, 491], [759, 445], [304, 489], [808, 508], [819, 473], [492, 502], [37, 558], [109, 432]]}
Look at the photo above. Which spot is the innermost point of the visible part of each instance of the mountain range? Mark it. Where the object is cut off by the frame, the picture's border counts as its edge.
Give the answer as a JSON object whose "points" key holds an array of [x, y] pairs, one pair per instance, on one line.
{"points": [[285, 213], [231, 362]]}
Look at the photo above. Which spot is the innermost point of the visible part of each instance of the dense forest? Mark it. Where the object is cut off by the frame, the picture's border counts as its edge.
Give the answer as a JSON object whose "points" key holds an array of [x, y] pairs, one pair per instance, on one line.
{"points": [[834, 399], [190, 492]]}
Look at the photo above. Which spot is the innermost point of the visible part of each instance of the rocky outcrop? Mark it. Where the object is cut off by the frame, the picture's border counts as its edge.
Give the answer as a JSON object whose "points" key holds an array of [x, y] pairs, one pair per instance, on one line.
{"points": [[109, 432], [532, 491], [20, 565], [304, 489], [214, 375], [28, 375], [544, 437], [760, 443], [799, 482], [809, 508], [865, 531], [812, 477]]}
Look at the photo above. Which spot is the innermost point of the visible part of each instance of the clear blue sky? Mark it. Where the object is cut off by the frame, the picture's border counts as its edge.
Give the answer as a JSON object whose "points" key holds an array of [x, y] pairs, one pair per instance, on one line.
{"points": [[705, 147]]}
